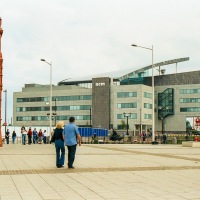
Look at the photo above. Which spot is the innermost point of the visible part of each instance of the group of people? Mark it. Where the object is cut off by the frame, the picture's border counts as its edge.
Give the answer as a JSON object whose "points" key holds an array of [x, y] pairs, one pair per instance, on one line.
{"points": [[7, 136], [63, 135], [69, 136], [34, 136]]}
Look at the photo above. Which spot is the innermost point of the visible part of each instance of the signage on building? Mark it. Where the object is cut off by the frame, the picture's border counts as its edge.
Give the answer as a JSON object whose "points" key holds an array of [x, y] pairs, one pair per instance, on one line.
{"points": [[100, 84]]}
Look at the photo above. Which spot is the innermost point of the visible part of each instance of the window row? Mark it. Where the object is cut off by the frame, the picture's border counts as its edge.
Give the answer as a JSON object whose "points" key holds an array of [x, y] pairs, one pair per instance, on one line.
{"points": [[57, 108], [189, 91], [192, 109], [126, 94], [58, 98], [190, 100], [46, 118], [127, 105], [134, 116]]}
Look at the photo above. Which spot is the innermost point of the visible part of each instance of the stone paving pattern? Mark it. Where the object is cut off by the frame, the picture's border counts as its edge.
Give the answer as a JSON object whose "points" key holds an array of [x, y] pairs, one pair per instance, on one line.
{"points": [[102, 172]]}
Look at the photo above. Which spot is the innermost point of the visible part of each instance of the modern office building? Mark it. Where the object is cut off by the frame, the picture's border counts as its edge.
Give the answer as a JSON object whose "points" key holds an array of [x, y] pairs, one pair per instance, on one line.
{"points": [[113, 100]]}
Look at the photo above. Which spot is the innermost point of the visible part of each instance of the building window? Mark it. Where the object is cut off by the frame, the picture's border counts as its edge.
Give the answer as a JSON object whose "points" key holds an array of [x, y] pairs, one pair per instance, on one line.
{"points": [[147, 116], [127, 105], [132, 116], [126, 94], [189, 91], [59, 98], [46, 118], [192, 109], [147, 95], [148, 105], [58, 108], [189, 100]]}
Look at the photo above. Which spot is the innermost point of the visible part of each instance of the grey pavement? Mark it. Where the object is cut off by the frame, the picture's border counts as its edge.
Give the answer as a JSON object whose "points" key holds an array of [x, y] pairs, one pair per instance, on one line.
{"points": [[102, 172]]}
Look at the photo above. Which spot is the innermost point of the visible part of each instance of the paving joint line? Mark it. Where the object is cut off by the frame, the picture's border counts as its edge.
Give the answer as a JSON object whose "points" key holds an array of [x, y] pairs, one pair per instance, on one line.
{"points": [[147, 153]]}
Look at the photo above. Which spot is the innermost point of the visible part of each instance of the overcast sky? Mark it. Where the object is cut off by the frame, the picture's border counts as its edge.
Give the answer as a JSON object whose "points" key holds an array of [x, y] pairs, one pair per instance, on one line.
{"points": [[83, 37]]}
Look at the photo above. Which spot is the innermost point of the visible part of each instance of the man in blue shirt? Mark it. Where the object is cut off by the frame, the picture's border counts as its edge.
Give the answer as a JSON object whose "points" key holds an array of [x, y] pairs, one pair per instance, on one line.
{"points": [[71, 134]]}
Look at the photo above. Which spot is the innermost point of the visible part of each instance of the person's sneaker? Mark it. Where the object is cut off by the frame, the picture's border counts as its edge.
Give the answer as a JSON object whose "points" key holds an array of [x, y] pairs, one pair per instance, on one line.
{"points": [[71, 167]]}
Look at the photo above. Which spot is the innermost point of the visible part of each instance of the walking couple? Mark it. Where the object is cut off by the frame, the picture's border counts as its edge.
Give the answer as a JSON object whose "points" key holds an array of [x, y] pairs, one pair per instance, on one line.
{"points": [[68, 136]]}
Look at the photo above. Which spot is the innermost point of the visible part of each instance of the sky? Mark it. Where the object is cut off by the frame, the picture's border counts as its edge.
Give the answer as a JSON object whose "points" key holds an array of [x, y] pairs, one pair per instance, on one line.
{"points": [[84, 37]]}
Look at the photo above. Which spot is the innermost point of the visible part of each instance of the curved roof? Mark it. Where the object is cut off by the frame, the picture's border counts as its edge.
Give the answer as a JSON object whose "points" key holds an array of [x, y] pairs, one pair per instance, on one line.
{"points": [[122, 74]]}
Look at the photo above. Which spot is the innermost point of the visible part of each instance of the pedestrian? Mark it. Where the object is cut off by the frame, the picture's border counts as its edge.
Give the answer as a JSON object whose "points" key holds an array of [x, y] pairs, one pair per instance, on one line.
{"points": [[71, 135], [58, 138], [40, 136], [7, 136], [14, 135], [34, 136], [144, 137], [164, 139], [30, 133], [24, 133], [45, 136]]}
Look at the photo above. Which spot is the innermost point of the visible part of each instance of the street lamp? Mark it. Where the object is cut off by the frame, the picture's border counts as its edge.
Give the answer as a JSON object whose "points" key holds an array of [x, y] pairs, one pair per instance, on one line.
{"points": [[127, 115], [50, 100], [153, 118], [55, 109]]}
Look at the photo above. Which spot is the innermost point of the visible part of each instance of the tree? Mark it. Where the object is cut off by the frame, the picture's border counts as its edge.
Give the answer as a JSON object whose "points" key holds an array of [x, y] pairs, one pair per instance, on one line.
{"points": [[123, 124], [188, 127]]}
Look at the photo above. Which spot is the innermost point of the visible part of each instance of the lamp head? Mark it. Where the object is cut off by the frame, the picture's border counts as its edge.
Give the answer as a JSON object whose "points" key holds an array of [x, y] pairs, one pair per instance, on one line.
{"points": [[43, 60], [134, 45]]}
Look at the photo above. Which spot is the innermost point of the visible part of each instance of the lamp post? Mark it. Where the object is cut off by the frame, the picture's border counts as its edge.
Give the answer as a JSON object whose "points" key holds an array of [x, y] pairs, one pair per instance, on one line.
{"points": [[55, 109], [5, 123], [153, 118], [127, 115], [50, 100]]}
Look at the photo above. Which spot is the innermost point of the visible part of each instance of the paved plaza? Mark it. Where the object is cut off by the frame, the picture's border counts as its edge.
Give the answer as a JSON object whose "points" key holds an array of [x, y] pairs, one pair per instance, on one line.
{"points": [[102, 172]]}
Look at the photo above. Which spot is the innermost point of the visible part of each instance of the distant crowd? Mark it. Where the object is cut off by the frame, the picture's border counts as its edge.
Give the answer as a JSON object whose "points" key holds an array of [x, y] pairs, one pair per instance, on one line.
{"points": [[33, 136]]}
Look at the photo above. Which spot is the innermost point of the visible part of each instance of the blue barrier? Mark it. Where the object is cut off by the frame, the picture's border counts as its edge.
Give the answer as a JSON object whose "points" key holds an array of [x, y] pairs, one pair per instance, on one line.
{"points": [[88, 132]]}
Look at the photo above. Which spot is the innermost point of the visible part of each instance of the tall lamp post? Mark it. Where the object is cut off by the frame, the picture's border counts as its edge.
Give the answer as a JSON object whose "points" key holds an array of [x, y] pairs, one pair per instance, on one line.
{"points": [[50, 97], [153, 118], [127, 115], [55, 109]]}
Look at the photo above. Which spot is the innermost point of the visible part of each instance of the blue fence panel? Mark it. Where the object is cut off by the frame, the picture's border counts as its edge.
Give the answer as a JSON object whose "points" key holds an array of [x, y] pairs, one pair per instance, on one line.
{"points": [[88, 132]]}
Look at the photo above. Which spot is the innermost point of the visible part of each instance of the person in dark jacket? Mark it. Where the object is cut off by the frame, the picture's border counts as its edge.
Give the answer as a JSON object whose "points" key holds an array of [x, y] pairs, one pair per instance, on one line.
{"points": [[59, 144]]}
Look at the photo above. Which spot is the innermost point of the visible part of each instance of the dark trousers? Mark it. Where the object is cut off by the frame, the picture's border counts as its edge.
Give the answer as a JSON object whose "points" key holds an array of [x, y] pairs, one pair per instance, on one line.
{"points": [[29, 139], [71, 155], [7, 140], [60, 152]]}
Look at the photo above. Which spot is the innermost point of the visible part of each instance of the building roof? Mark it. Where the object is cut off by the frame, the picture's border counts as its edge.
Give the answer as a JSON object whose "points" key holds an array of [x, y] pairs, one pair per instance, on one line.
{"points": [[121, 74]]}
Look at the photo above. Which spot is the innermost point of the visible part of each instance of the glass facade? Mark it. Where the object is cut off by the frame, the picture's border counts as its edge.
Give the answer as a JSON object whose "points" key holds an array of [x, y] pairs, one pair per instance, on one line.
{"points": [[166, 103]]}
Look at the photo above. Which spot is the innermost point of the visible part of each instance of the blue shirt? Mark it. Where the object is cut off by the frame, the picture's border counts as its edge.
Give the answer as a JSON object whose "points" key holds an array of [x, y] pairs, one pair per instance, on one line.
{"points": [[70, 132]]}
